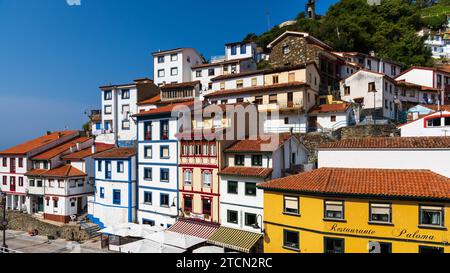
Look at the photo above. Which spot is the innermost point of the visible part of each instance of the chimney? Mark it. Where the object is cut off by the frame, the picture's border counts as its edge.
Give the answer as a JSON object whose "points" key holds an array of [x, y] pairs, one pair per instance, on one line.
{"points": [[93, 149]]}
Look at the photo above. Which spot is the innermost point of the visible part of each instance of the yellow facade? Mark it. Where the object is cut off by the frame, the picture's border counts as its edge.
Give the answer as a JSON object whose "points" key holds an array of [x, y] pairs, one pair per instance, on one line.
{"points": [[404, 233]]}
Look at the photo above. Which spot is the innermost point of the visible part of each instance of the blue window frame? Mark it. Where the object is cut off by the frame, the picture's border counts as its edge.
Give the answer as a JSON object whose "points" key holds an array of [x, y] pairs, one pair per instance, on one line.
{"points": [[164, 177], [102, 192], [116, 197], [108, 95], [243, 49], [148, 174], [120, 167], [148, 152], [148, 222], [148, 130], [148, 197], [99, 165], [233, 50], [108, 171], [164, 152], [125, 94], [98, 126], [164, 200], [164, 128]]}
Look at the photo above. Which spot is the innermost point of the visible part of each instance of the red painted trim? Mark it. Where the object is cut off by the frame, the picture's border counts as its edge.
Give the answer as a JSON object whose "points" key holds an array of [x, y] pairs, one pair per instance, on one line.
{"points": [[13, 173], [199, 166], [201, 193], [434, 116]]}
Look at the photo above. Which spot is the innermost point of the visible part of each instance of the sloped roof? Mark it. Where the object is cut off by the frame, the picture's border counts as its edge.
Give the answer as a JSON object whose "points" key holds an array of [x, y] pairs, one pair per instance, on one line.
{"points": [[390, 143], [49, 154]]}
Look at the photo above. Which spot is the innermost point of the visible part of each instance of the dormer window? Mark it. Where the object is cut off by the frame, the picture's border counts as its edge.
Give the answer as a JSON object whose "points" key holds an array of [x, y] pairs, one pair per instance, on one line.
{"points": [[243, 49], [286, 49]]}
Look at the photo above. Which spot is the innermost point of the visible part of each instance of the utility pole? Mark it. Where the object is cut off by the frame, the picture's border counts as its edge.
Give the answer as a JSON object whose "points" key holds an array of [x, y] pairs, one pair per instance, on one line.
{"points": [[4, 222]]}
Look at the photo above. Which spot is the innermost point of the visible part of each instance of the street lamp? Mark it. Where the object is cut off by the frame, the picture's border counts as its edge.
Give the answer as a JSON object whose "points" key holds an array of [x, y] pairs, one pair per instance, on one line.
{"points": [[174, 205], [260, 227], [4, 222]]}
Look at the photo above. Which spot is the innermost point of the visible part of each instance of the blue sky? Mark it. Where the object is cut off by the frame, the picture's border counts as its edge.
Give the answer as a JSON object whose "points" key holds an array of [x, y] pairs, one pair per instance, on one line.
{"points": [[53, 57]]}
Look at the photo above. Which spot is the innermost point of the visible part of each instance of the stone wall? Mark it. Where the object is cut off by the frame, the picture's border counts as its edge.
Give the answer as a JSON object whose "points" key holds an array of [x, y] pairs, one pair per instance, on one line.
{"points": [[300, 52], [25, 222], [363, 131]]}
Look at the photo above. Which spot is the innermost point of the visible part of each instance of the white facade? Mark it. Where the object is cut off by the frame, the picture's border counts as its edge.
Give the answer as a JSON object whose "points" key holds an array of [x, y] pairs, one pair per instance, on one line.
{"points": [[174, 66], [157, 171], [255, 79], [115, 197], [435, 160], [240, 50], [436, 124], [425, 76], [358, 86]]}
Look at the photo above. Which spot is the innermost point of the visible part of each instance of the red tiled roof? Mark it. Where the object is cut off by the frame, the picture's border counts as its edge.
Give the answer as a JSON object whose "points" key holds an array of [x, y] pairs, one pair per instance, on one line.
{"points": [[255, 89], [49, 154], [417, 86], [247, 172], [36, 172], [330, 108], [422, 184], [87, 152], [261, 144], [238, 75], [422, 68], [37, 143], [435, 107], [390, 143], [63, 171], [166, 109], [180, 85], [152, 100], [116, 153], [194, 228]]}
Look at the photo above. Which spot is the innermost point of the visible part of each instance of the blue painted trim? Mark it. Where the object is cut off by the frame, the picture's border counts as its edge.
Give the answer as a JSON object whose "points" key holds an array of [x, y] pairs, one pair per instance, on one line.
{"points": [[156, 141], [161, 147], [112, 181], [160, 164], [160, 199], [149, 220], [110, 206], [120, 196], [130, 196], [168, 175], [158, 189]]}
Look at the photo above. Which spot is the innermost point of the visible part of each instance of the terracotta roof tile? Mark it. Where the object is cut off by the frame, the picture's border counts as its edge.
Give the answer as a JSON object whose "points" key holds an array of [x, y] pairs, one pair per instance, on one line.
{"points": [[238, 75], [391, 143], [255, 89], [116, 153], [166, 109], [247, 172], [37, 143], [63, 171], [36, 172], [330, 108], [152, 100], [435, 107], [87, 152], [180, 85], [261, 144], [421, 184], [49, 154]]}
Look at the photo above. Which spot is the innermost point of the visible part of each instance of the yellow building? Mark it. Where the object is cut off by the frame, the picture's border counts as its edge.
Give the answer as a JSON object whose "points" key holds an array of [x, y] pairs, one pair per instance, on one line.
{"points": [[357, 211]]}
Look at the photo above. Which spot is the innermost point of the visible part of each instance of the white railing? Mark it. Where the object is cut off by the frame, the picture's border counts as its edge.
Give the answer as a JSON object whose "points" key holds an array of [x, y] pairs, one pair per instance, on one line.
{"points": [[296, 129]]}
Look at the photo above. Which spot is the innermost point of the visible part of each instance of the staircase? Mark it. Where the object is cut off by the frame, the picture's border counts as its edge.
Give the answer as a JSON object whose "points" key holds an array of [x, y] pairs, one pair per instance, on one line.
{"points": [[91, 229]]}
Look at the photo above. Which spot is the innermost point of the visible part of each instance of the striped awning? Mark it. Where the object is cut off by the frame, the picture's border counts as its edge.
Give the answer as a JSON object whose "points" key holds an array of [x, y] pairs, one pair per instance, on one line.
{"points": [[239, 240], [194, 228]]}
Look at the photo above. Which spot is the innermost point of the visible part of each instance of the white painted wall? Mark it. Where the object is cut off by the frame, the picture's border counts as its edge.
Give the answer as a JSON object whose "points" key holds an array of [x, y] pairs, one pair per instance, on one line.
{"points": [[418, 128]]}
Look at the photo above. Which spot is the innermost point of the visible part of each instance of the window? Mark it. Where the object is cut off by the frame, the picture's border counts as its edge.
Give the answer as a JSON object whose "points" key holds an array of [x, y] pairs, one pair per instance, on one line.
{"points": [[291, 77], [80, 183], [254, 81], [232, 217], [60, 184], [286, 120], [240, 100], [32, 183], [431, 216], [380, 213], [369, 64], [5, 162], [125, 94], [148, 131], [207, 176], [148, 174], [291, 205], [291, 239], [222, 86], [125, 125], [174, 57], [239, 160], [333, 118], [5, 180], [273, 98], [187, 177], [20, 181], [55, 203], [164, 176], [148, 152], [206, 206], [73, 202], [286, 49], [188, 203], [210, 86], [161, 59], [250, 189], [434, 122], [148, 222], [251, 219], [385, 248], [258, 100], [372, 87], [430, 249], [275, 79], [198, 73], [232, 187], [20, 162], [233, 50], [39, 183], [174, 71], [333, 245], [447, 121], [164, 152], [257, 160], [108, 95], [148, 198], [164, 201], [161, 73], [108, 109], [211, 72], [334, 210], [50, 183], [116, 197], [164, 130], [212, 149], [243, 49], [347, 91], [239, 84]]}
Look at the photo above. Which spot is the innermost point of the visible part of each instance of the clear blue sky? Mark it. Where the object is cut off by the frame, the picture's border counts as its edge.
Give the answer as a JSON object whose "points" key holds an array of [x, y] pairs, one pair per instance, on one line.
{"points": [[53, 57]]}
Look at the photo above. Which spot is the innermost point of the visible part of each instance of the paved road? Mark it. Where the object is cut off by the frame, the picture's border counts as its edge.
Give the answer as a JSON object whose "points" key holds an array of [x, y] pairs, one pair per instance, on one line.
{"points": [[22, 242]]}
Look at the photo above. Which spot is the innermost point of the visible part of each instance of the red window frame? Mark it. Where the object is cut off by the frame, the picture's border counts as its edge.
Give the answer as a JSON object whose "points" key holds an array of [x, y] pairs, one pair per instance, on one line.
{"points": [[20, 181], [203, 178], [5, 180], [207, 212], [187, 209], [5, 162], [192, 176], [20, 162]]}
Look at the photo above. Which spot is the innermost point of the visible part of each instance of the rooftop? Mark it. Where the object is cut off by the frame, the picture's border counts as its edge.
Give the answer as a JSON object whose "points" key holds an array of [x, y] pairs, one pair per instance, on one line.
{"points": [[255, 89], [49, 154], [406, 184], [63, 171], [37, 143], [80, 155], [247, 172], [330, 108], [166, 109], [390, 143], [116, 153], [260, 144]]}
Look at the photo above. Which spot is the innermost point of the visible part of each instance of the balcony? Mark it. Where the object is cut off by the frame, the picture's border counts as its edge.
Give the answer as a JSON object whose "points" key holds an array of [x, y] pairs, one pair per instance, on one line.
{"points": [[294, 128], [281, 107]]}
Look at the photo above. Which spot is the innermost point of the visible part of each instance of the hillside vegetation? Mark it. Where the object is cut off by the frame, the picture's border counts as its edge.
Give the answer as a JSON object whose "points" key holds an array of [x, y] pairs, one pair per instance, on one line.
{"points": [[389, 29]]}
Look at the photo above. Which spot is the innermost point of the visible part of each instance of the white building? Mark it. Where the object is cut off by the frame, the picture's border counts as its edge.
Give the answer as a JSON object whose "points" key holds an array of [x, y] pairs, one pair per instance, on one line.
{"points": [[158, 202], [240, 50], [435, 124], [119, 103], [238, 80], [16, 162], [331, 117], [408, 153], [175, 65], [357, 60], [374, 91], [115, 198], [248, 163]]}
